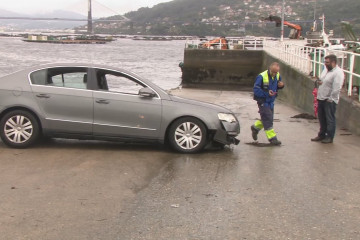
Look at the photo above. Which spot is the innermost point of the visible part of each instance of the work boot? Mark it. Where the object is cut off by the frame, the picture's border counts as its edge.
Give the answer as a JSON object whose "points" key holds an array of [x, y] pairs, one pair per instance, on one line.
{"points": [[317, 139], [275, 142], [327, 140], [254, 133]]}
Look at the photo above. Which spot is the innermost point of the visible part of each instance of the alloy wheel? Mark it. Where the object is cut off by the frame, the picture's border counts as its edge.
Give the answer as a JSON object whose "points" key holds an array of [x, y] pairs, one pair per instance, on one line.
{"points": [[188, 135], [18, 129]]}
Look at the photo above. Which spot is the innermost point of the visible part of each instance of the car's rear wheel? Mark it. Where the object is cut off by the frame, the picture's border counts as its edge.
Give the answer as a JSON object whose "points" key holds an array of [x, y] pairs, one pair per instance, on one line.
{"points": [[19, 129], [187, 135]]}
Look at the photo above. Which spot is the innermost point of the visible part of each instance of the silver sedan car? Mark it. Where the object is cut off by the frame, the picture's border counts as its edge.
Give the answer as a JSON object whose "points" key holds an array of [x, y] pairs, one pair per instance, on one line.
{"points": [[84, 101]]}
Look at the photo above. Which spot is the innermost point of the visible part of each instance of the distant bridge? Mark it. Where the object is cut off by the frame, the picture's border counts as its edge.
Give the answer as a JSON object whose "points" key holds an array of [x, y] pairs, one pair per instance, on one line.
{"points": [[64, 19], [89, 20]]}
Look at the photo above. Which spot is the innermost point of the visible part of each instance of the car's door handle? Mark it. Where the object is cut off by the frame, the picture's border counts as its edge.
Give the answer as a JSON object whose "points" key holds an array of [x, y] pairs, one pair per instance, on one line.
{"points": [[43, 95], [102, 101]]}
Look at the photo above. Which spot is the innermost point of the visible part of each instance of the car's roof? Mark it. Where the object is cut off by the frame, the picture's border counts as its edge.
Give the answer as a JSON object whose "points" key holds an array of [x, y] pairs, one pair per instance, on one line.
{"points": [[88, 65], [30, 69]]}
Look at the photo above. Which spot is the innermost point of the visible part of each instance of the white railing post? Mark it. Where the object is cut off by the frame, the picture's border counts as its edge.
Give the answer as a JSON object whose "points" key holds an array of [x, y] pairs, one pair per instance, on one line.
{"points": [[296, 57], [318, 61], [351, 70], [314, 63]]}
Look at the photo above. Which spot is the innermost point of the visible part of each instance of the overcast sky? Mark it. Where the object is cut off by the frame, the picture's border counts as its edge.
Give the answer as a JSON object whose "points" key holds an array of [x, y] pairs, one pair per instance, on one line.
{"points": [[100, 7]]}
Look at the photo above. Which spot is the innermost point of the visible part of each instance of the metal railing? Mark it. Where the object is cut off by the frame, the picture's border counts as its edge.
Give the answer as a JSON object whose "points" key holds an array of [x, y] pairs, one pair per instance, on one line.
{"points": [[233, 44], [310, 60]]}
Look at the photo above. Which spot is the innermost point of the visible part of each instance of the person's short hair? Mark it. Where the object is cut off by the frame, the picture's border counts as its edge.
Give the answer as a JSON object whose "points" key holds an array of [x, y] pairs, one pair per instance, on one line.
{"points": [[332, 58], [273, 64]]}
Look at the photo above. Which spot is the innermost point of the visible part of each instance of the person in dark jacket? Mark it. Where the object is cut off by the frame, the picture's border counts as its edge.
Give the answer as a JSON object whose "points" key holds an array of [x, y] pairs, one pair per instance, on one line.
{"points": [[266, 87]]}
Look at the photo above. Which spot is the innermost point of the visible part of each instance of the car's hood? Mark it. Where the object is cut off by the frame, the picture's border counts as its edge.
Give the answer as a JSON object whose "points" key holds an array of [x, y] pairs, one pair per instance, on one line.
{"points": [[200, 104]]}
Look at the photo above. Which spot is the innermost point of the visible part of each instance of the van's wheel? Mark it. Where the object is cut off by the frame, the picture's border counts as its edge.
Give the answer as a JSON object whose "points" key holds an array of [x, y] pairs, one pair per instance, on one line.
{"points": [[19, 129], [187, 135]]}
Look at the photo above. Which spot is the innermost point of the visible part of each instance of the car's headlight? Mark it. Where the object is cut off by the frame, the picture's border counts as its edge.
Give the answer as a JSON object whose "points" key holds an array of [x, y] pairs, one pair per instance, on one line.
{"points": [[228, 117]]}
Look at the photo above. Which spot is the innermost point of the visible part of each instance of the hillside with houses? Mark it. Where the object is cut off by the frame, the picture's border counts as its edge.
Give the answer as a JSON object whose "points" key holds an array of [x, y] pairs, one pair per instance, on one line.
{"points": [[230, 17]]}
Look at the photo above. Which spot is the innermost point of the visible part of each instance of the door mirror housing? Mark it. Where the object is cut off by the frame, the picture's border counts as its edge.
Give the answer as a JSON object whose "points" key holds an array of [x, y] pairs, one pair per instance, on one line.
{"points": [[147, 92]]}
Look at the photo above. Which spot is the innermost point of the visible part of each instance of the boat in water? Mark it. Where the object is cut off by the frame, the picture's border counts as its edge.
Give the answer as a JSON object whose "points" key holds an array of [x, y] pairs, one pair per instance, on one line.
{"points": [[152, 38], [69, 39]]}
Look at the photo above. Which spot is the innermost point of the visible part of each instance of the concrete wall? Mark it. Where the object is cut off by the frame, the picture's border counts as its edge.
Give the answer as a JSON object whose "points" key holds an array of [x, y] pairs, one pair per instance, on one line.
{"points": [[348, 114], [221, 68], [298, 92]]}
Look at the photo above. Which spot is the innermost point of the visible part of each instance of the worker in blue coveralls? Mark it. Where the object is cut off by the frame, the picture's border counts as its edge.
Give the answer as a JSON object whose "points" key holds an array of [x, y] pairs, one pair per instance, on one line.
{"points": [[266, 87]]}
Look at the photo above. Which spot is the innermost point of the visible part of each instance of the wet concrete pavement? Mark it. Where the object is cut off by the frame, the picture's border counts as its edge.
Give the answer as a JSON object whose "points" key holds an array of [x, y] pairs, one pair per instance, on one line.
{"points": [[90, 190]]}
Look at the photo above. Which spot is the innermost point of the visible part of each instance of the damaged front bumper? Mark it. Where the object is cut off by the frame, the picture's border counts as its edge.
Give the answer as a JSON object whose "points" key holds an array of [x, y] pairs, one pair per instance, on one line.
{"points": [[228, 133]]}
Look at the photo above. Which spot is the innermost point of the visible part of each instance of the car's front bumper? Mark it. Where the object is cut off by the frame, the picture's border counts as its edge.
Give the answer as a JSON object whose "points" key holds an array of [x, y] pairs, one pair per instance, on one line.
{"points": [[228, 133]]}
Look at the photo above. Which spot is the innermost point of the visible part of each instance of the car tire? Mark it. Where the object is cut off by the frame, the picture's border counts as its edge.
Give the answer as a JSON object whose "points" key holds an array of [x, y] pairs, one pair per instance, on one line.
{"points": [[19, 129], [187, 135]]}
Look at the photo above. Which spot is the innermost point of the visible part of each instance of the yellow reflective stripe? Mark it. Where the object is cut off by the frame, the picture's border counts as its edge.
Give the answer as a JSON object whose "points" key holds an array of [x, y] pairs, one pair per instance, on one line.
{"points": [[258, 125], [265, 77], [270, 134]]}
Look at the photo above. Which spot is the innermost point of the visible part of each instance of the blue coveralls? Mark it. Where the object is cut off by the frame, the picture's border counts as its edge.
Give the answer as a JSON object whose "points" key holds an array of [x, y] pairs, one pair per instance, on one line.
{"points": [[266, 102]]}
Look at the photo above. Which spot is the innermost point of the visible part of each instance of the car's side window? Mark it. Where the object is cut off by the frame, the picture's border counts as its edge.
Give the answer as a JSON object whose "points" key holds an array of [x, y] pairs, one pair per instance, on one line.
{"points": [[117, 82], [69, 77], [39, 77], [70, 80]]}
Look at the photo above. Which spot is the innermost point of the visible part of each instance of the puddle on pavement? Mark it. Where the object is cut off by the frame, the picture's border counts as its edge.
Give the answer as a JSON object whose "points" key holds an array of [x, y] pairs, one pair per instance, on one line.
{"points": [[257, 144], [304, 116], [345, 132]]}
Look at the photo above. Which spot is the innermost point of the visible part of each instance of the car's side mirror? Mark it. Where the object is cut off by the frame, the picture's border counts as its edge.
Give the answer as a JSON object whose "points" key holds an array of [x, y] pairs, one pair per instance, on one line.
{"points": [[147, 92]]}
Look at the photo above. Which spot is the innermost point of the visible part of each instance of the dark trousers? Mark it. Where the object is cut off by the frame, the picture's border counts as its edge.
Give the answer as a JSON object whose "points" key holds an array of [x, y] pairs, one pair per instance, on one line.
{"points": [[267, 116], [266, 122], [326, 115]]}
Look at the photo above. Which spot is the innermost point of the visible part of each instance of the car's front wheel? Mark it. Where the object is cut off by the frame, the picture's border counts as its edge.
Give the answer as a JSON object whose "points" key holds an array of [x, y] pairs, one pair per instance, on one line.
{"points": [[187, 135], [19, 129]]}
